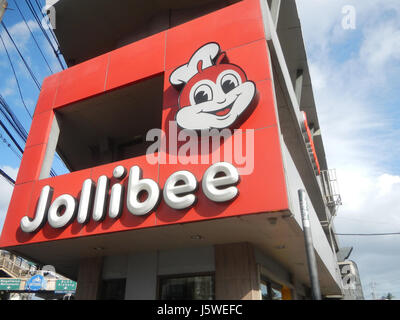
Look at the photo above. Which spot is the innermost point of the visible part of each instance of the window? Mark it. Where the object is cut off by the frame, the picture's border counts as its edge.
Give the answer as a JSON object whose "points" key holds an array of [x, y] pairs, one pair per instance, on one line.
{"points": [[113, 289], [187, 288], [270, 290]]}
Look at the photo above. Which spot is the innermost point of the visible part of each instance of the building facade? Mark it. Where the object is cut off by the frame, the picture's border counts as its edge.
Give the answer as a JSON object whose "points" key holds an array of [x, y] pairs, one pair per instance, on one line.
{"points": [[188, 128]]}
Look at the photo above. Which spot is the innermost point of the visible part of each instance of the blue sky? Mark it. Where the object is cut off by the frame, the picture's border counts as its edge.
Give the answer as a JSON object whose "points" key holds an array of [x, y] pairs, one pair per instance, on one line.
{"points": [[356, 86], [9, 161], [357, 92]]}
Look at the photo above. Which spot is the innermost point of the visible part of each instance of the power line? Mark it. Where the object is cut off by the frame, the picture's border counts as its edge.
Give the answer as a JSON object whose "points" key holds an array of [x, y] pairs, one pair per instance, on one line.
{"points": [[35, 16], [12, 119], [34, 39], [45, 16], [364, 220], [7, 177], [9, 145], [52, 171], [16, 78], [368, 234], [11, 137], [22, 57], [16, 125], [5, 110]]}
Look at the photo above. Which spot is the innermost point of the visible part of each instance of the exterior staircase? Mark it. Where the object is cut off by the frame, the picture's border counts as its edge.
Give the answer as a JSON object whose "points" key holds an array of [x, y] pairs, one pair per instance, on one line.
{"points": [[13, 266]]}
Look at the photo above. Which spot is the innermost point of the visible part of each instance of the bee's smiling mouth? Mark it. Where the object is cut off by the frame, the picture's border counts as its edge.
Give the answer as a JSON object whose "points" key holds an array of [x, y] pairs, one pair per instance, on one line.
{"points": [[222, 112]]}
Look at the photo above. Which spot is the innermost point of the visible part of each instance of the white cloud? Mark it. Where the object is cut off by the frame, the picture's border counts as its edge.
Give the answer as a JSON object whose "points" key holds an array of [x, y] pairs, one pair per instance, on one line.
{"points": [[354, 74], [20, 33], [8, 87], [381, 46]]}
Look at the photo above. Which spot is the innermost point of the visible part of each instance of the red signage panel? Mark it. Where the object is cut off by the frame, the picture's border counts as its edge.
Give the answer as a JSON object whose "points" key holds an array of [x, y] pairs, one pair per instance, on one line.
{"points": [[217, 78]]}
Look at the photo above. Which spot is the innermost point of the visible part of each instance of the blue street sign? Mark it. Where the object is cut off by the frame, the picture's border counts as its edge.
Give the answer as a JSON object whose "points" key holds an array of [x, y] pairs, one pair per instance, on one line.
{"points": [[36, 283]]}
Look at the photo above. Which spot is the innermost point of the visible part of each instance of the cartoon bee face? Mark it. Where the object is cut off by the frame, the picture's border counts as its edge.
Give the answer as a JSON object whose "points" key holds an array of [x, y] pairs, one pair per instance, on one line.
{"points": [[214, 96]]}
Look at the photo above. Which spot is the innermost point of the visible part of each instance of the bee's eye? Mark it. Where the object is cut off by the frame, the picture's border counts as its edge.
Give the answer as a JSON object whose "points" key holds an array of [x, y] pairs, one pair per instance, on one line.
{"points": [[229, 82], [202, 94]]}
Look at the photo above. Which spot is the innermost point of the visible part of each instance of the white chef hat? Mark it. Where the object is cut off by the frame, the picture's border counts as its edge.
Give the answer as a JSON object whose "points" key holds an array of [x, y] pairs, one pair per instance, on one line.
{"points": [[206, 54]]}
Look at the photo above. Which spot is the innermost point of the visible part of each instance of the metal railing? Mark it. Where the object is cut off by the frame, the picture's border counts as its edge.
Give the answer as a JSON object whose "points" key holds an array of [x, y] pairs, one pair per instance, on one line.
{"points": [[13, 266], [331, 190]]}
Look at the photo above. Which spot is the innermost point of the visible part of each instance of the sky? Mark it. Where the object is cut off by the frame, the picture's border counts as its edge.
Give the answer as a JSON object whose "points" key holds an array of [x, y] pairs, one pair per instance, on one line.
{"points": [[354, 70], [9, 161]]}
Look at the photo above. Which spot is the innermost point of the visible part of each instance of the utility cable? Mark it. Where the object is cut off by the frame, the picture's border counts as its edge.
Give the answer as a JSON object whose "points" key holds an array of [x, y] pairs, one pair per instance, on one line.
{"points": [[52, 171], [34, 39], [11, 137], [6, 110], [368, 234], [22, 57], [12, 124], [35, 16], [9, 145], [7, 177], [45, 16], [12, 119], [15, 76]]}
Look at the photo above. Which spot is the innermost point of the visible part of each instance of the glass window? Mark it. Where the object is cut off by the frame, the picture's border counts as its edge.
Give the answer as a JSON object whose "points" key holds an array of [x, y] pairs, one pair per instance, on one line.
{"points": [[187, 288], [264, 291], [270, 290], [276, 292]]}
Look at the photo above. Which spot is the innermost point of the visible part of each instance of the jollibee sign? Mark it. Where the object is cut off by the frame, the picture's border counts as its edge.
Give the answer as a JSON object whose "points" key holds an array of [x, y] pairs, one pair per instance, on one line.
{"points": [[179, 193], [219, 80]]}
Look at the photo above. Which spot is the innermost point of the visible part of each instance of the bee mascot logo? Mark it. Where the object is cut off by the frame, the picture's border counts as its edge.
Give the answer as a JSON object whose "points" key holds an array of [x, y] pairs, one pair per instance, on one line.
{"points": [[215, 94]]}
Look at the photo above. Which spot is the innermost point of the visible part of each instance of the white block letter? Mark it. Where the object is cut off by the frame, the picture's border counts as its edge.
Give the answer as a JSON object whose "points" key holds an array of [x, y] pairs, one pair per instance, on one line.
{"points": [[178, 196], [219, 175], [136, 186]]}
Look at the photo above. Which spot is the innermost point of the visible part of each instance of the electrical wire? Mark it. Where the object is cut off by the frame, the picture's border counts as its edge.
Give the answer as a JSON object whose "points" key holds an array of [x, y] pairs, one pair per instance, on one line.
{"points": [[6, 111], [17, 126], [38, 21], [34, 39], [363, 220], [368, 234], [52, 171], [45, 16], [11, 123], [11, 137], [31, 6], [10, 146], [15, 76], [7, 177], [12, 119], [22, 57]]}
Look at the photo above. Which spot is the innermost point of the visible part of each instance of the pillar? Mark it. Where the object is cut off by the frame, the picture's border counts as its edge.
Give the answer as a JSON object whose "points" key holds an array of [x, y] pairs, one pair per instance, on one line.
{"points": [[89, 278], [237, 276]]}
